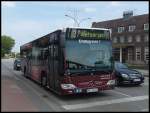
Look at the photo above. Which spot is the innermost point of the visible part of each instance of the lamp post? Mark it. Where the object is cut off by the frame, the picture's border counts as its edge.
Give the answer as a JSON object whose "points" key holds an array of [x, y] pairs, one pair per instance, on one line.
{"points": [[76, 21], [83, 20]]}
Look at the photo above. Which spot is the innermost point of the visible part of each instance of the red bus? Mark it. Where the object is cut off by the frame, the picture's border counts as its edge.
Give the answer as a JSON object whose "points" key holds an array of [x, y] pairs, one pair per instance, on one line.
{"points": [[71, 60]]}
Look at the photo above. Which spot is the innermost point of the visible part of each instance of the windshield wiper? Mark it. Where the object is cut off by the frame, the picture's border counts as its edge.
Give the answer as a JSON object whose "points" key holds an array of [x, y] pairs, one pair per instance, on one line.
{"points": [[87, 68], [80, 72], [79, 64], [123, 68]]}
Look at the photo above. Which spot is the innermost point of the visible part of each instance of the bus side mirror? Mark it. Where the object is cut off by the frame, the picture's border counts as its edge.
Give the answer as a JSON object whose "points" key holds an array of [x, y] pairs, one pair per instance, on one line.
{"points": [[62, 40], [112, 61], [29, 57]]}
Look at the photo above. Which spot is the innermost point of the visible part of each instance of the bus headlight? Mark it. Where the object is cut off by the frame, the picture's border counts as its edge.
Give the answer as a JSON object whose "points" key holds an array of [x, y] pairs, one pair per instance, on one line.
{"points": [[68, 86], [111, 82]]}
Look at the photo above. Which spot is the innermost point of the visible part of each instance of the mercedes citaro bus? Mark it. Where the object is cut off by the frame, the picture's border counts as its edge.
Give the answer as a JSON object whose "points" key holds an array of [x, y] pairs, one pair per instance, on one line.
{"points": [[71, 60]]}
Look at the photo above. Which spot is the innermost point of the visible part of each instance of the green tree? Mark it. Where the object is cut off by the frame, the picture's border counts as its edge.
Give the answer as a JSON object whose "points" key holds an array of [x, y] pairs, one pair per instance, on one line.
{"points": [[7, 44]]}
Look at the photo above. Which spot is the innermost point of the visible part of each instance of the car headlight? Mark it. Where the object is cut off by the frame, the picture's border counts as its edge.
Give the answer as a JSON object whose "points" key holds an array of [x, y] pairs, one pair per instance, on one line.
{"points": [[125, 75], [141, 75], [68, 86]]}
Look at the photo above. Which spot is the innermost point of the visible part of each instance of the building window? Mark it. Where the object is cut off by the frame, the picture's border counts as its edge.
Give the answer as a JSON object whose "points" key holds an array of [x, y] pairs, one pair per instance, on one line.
{"points": [[138, 38], [130, 39], [131, 28], [115, 40], [138, 54], [130, 54], [146, 26], [146, 55], [146, 38], [122, 39], [120, 29]]}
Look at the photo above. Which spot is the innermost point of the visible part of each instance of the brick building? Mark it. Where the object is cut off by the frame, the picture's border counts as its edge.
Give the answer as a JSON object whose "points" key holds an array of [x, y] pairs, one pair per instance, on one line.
{"points": [[130, 37]]}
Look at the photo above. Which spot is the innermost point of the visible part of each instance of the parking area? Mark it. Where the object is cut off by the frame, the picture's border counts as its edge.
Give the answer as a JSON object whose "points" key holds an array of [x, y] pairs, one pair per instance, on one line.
{"points": [[21, 94]]}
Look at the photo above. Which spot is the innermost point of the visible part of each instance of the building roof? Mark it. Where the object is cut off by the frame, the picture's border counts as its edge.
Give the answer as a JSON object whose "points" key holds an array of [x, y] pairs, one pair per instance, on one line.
{"points": [[121, 21]]}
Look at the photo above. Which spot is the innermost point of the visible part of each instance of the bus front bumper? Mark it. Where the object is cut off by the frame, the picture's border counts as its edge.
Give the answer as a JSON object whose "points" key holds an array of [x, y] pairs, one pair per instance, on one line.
{"points": [[88, 90]]}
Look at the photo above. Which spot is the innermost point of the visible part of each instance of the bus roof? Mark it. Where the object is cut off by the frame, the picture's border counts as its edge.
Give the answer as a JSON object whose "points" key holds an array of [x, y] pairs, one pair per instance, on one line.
{"points": [[88, 28], [38, 38]]}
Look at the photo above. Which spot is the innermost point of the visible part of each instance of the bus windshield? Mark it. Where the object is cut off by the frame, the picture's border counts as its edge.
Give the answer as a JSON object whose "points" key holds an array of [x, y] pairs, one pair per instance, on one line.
{"points": [[83, 55]]}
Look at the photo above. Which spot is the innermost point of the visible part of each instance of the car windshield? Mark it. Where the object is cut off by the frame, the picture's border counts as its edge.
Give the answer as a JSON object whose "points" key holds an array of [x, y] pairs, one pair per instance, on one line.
{"points": [[18, 61], [87, 55], [120, 66]]}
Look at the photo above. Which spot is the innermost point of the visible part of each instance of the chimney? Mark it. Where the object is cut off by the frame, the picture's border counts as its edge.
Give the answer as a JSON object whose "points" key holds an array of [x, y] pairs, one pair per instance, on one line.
{"points": [[127, 14]]}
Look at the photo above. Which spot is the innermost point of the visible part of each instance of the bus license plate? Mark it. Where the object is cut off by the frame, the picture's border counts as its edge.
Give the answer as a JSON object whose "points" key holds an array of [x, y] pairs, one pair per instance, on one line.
{"points": [[137, 80], [92, 90]]}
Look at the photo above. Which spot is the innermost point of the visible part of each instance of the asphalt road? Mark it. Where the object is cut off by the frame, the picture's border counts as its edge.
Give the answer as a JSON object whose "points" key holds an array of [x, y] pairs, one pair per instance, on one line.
{"points": [[22, 94]]}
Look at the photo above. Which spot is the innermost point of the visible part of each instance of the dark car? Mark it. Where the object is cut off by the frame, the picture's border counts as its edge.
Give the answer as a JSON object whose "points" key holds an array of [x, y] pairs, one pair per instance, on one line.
{"points": [[125, 75], [17, 64]]}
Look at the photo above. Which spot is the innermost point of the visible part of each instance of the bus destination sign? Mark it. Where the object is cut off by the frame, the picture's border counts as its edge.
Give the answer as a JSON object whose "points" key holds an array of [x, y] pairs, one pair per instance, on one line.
{"points": [[89, 34]]}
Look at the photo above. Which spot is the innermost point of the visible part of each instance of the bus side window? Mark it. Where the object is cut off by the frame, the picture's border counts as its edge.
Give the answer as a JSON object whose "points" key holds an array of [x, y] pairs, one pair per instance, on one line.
{"points": [[45, 54], [29, 55], [24, 54], [51, 51], [55, 51]]}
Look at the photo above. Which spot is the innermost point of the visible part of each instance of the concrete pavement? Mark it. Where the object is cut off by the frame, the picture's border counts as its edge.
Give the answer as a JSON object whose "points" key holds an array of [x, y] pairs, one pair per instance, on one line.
{"points": [[31, 97], [144, 72], [13, 96]]}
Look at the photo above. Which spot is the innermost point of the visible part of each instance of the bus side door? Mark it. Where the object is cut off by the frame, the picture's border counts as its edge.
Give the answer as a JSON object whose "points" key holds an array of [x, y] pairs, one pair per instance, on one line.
{"points": [[51, 80]]}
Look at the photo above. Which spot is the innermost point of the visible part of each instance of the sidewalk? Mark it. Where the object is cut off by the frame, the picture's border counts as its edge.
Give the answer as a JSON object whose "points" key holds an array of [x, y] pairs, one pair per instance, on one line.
{"points": [[144, 72], [14, 99]]}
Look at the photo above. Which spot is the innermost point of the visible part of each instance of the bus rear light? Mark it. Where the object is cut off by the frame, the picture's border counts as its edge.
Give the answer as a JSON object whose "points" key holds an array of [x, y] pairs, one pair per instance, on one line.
{"points": [[68, 86]]}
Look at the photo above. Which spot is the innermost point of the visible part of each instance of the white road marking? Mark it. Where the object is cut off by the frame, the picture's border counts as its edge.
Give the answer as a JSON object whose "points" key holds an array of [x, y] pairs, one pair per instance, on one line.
{"points": [[146, 81], [107, 102], [146, 84], [120, 93], [145, 110]]}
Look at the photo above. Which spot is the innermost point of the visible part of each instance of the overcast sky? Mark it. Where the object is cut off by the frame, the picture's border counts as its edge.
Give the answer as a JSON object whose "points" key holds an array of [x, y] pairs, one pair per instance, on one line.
{"points": [[26, 21]]}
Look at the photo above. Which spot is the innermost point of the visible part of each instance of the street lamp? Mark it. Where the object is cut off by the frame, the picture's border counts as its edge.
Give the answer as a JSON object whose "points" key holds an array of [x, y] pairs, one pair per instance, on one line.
{"points": [[76, 21], [83, 20], [73, 19]]}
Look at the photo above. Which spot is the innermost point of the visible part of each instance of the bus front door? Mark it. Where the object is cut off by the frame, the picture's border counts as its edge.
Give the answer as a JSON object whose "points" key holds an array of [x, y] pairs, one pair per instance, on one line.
{"points": [[51, 77]]}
